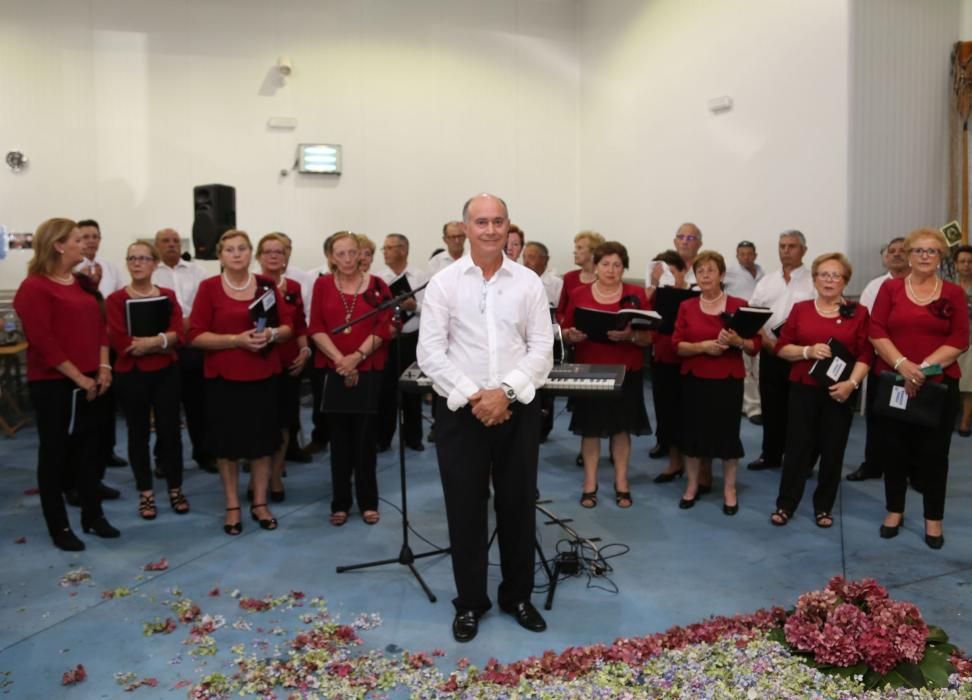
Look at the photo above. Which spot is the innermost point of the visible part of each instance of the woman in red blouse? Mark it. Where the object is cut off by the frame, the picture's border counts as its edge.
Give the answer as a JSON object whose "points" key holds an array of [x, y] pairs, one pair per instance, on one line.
{"points": [[147, 382], [240, 368], [353, 360], [594, 419], [712, 379], [67, 372], [585, 243], [273, 254], [919, 323], [820, 415]]}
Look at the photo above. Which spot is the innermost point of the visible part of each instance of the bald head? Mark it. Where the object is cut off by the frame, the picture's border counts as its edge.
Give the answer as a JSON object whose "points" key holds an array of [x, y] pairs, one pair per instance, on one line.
{"points": [[170, 246], [482, 197]]}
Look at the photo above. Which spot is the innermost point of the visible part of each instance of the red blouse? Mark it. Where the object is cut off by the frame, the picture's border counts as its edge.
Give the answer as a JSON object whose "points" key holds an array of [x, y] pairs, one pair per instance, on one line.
{"points": [[917, 331], [592, 352], [62, 322], [572, 281], [804, 326], [293, 300], [692, 325], [328, 311], [215, 312], [120, 340]]}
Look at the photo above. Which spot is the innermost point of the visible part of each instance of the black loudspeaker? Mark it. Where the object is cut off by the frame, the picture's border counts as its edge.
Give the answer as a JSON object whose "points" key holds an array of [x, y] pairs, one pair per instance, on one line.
{"points": [[215, 213]]}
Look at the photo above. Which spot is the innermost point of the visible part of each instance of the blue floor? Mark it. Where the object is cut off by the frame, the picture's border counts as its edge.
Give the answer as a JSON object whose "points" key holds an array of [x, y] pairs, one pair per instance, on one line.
{"points": [[682, 566]]}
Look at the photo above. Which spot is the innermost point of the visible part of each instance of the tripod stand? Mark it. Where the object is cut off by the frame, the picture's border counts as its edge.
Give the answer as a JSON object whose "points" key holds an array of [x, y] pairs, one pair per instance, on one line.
{"points": [[406, 557]]}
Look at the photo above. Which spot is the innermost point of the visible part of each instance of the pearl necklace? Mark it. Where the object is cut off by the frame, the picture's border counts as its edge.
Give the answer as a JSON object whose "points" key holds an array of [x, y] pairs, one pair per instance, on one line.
{"points": [[69, 279], [249, 280], [712, 301], [598, 292], [135, 293], [914, 296], [827, 313]]}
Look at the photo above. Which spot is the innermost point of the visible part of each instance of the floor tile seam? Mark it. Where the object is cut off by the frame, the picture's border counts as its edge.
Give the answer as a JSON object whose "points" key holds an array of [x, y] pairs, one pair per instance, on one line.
{"points": [[930, 578]]}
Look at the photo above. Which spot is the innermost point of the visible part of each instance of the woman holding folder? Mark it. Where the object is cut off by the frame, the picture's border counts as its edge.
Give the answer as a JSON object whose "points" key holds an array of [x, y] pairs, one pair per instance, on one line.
{"points": [[352, 359], [238, 318], [144, 326], [919, 327], [825, 339], [712, 379], [594, 419], [67, 371]]}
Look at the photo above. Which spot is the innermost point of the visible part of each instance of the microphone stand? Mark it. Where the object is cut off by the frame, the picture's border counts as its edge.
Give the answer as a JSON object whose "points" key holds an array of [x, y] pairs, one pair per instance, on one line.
{"points": [[406, 557]]}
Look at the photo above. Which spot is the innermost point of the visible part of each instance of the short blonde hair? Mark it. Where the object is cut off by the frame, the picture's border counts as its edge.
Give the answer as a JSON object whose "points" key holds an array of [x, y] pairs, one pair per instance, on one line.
{"points": [[710, 256], [280, 238], [365, 242], [839, 257], [233, 233], [594, 239], [148, 245], [47, 234], [911, 238], [334, 238]]}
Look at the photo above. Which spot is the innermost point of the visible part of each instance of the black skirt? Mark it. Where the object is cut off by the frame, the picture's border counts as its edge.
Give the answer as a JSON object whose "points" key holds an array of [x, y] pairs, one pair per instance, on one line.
{"points": [[711, 415], [607, 417], [288, 401], [241, 418]]}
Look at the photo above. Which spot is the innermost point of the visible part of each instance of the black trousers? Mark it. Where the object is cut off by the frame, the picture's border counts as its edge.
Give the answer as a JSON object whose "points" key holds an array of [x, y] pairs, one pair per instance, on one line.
{"points": [[411, 403], [64, 457], [320, 433], [816, 423], [872, 462], [353, 456], [774, 391], [141, 393], [666, 380], [192, 387], [469, 453], [912, 450]]}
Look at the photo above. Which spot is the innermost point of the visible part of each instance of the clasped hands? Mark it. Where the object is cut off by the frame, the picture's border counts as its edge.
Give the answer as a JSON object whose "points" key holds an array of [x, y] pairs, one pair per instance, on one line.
{"points": [[914, 377], [725, 340], [490, 406], [94, 388], [252, 341]]}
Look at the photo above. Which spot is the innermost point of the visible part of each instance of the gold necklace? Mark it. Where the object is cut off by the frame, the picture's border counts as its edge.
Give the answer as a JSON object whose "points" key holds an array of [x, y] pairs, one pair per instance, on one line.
{"points": [[914, 296], [348, 308], [68, 279]]}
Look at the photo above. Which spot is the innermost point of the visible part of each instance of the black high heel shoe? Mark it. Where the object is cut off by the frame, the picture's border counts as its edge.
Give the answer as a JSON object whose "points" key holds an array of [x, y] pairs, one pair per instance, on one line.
{"points": [[266, 524], [889, 531], [686, 503], [101, 527], [67, 541], [278, 496], [730, 510], [664, 477], [234, 528], [935, 541]]}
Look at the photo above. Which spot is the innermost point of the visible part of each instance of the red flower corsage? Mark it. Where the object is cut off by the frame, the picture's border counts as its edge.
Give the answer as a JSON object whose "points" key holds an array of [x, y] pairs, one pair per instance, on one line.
{"points": [[942, 308]]}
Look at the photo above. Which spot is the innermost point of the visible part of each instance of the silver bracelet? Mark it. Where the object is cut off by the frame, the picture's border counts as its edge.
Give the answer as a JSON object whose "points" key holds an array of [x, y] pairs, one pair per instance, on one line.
{"points": [[165, 341], [107, 367], [806, 349], [897, 363]]}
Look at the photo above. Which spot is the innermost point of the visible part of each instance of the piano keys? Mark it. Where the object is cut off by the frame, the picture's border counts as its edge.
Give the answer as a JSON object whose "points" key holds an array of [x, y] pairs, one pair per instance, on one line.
{"points": [[567, 379]]}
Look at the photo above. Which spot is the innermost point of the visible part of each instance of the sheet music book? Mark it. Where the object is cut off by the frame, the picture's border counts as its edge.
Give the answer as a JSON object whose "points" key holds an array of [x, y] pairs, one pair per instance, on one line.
{"points": [[596, 323], [925, 408], [836, 368], [147, 317], [667, 301], [401, 286], [263, 311], [748, 320]]}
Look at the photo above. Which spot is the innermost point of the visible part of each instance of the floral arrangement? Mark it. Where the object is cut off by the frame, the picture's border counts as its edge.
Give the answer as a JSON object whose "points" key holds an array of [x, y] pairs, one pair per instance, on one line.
{"points": [[855, 628]]}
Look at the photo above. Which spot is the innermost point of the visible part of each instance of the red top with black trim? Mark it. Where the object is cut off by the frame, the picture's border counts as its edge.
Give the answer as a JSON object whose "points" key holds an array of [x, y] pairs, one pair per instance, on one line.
{"points": [[692, 325], [592, 352], [804, 326], [120, 340], [62, 322], [328, 311], [294, 301], [917, 331], [572, 281], [215, 312]]}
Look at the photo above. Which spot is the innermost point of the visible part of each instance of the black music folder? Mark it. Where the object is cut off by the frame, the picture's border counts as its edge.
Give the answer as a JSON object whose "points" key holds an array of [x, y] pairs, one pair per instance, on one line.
{"points": [[667, 301], [147, 316], [401, 286], [263, 311], [596, 323], [748, 320], [836, 368], [924, 409]]}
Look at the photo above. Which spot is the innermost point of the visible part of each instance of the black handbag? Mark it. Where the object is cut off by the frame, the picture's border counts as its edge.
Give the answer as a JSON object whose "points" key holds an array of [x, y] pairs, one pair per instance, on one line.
{"points": [[361, 398], [925, 408]]}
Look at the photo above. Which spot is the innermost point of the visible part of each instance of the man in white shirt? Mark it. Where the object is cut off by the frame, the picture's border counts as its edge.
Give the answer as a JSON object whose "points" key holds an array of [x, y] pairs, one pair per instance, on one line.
{"points": [[454, 235], [536, 256], [740, 281], [183, 278], [895, 261], [778, 290], [687, 241], [104, 272], [486, 343], [401, 350]]}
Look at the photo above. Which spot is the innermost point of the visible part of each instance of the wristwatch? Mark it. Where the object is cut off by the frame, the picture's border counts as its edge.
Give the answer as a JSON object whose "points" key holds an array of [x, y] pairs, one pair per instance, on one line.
{"points": [[509, 391]]}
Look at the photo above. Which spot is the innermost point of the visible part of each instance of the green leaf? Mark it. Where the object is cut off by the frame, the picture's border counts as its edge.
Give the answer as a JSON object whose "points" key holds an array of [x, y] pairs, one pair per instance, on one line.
{"points": [[936, 635], [872, 679], [942, 648], [905, 675], [777, 635], [936, 670]]}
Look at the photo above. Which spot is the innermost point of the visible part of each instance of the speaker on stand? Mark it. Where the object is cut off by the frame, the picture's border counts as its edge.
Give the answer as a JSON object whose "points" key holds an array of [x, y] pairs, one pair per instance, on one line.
{"points": [[214, 208]]}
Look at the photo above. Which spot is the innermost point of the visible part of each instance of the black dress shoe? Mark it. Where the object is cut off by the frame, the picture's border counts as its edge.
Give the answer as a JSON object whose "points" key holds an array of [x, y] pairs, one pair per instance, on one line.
{"points": [[664, 477], [431, 436], [68, 541], [756, 419], [659, 451], [297, 455], [465, 625], [730, 510], [107, 493], [277, 496], [761, 464], [73, 498], [934, 541], [687, 503], [527, 616], [860, 474], [115, 461], [888, 531], [101, 527]]}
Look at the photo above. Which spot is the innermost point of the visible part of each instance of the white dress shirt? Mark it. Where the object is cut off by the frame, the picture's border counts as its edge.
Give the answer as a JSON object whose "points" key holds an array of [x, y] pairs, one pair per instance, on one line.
{"points": [[552, 285], [111, 276], [478, 334], [774, 292], [871, 291], [740, 282], [307, 290], [416, 278], [440, 261], [183, 279]]}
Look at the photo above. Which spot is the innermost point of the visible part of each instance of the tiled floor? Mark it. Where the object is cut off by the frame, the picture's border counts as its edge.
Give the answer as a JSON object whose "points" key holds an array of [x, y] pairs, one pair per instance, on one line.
{"points": [[682, 566]]}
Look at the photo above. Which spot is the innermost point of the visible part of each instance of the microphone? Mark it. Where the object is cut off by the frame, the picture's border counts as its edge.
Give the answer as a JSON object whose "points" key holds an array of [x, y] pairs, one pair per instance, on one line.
{"points": [[186, 256]]}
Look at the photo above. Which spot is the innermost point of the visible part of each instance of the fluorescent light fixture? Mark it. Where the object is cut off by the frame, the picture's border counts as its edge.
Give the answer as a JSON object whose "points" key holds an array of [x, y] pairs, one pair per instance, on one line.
{"points": [[319, 158]]}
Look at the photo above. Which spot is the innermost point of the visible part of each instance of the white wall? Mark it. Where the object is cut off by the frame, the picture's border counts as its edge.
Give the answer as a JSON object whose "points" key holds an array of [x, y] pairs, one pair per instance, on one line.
{"points": [[123, 106], [652, 154]]}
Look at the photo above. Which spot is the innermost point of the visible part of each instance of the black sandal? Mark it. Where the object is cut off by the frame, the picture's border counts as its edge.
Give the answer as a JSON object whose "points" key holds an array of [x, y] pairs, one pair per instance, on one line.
{"points": [[588, 499], [824, 520], [146, 507], [265, 523], [178, 501], [780, 517], [234, 528], [621, 496]]}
